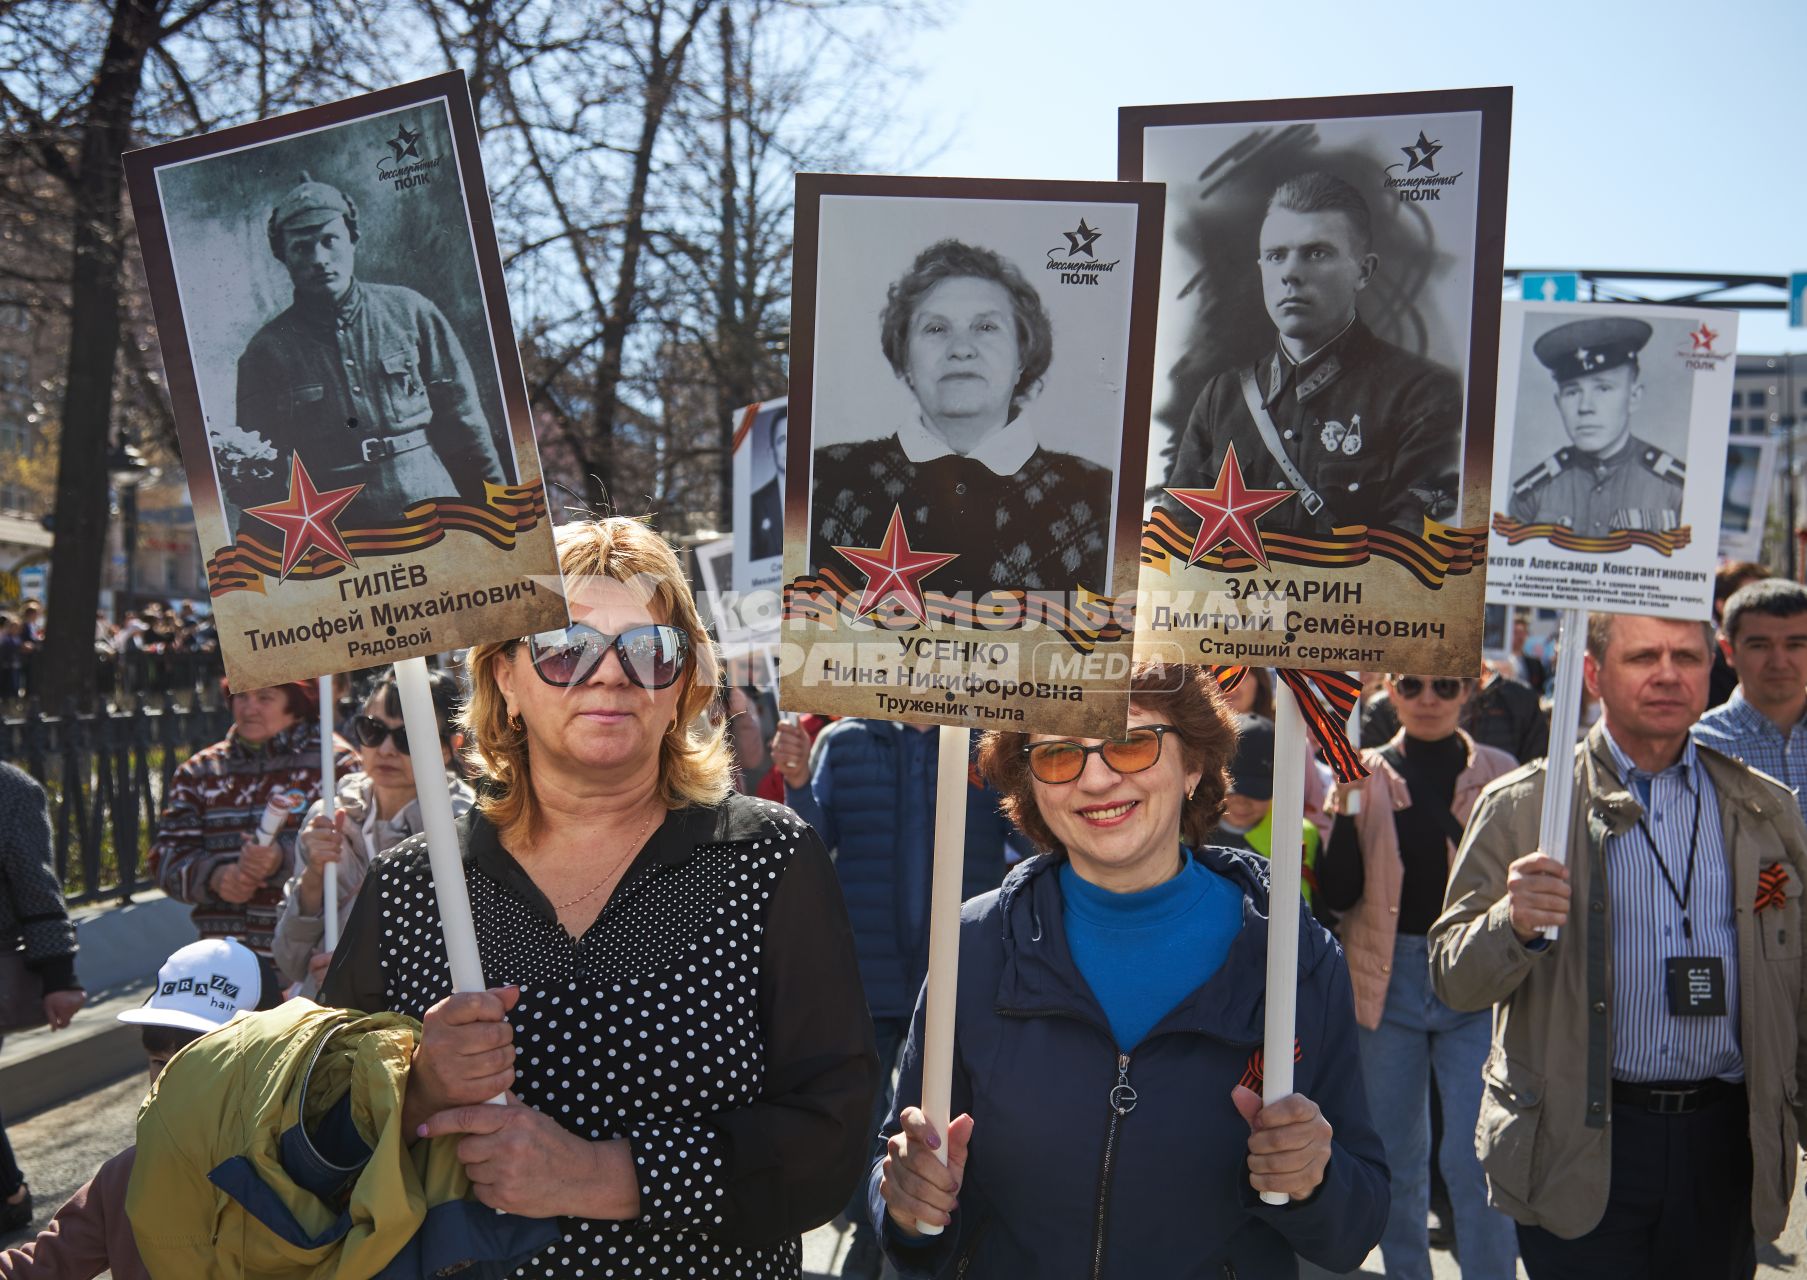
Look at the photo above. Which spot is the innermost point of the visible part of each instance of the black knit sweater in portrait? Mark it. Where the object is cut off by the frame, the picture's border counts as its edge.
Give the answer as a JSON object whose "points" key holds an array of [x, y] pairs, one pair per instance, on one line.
{"points": [[1046, 527]]}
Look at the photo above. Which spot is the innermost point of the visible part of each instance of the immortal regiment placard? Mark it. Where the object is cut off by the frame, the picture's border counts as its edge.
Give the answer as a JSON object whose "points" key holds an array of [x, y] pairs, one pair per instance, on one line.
{"points": [[760, 458], [1324, 378], [348, 395], [1750, 470], [1610, 477], [968, 418]]}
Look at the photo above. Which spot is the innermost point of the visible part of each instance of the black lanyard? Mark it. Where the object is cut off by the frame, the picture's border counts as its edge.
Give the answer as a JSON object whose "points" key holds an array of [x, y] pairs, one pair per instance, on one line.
{"points": [[1686, 892]]}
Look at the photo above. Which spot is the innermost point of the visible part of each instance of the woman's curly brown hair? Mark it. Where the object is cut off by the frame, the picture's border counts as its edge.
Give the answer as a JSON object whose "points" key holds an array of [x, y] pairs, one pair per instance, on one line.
{"points": [[1185, 697]]}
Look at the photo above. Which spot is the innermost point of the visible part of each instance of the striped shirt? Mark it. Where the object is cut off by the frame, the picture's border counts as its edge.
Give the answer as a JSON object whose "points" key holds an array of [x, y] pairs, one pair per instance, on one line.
{"points": [[1681, 813], [1740, 730]]}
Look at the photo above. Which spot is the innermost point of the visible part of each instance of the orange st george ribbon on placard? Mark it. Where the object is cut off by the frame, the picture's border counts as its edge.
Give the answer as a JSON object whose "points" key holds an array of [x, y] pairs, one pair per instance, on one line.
{"points": [[506, 512], [1325, 699], [1666, 543]]}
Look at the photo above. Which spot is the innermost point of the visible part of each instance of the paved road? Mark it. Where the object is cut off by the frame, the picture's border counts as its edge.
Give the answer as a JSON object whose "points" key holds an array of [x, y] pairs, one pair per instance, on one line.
{"points": [[59, 1149]]}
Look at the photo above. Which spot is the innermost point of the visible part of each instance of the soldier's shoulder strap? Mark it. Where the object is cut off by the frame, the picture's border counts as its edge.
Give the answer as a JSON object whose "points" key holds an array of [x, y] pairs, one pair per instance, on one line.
{"points": [[1548, 469], [1309, 498], [1663, 464]]}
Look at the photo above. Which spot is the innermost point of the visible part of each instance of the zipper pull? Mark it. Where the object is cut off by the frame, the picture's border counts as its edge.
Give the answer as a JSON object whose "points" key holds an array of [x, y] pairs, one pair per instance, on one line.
{"points": [[1123, 1097]]}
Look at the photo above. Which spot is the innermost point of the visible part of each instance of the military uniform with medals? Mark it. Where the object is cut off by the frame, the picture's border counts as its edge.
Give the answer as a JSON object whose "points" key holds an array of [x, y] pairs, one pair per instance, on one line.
{"points": [[1638, 486], [372, 389], [1366, 433]]}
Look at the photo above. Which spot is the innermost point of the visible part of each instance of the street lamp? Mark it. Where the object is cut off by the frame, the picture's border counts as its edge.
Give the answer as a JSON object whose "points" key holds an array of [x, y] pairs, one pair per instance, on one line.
{"points": [[126, 470]]}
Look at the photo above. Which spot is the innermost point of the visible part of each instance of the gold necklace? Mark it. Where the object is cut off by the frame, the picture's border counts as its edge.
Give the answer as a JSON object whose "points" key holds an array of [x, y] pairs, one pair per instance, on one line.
{"points": [[597, 888]]}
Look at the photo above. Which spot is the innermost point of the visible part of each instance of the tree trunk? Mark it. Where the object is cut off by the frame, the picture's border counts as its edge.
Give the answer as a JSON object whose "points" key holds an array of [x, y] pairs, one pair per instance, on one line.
{"points": [[733, 376], [94, 328], [662, 74]]}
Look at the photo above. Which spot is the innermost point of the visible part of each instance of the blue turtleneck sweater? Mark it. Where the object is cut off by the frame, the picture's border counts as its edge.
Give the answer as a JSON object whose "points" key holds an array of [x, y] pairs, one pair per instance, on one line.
{"points": [[1142, 953]]}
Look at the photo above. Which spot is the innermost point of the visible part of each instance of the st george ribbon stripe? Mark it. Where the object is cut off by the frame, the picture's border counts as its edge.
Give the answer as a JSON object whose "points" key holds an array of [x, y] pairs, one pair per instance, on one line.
{"points": [[1325, 699], [508, 511], [1666, 543], [1442, 552]]}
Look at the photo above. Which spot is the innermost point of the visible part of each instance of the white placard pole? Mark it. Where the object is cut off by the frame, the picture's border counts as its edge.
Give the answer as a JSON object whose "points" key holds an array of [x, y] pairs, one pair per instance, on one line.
{"points": [[944, 938], [422, 723], [1352, 803], [1565, 723], [771, 668], [1284, 870], [329, 895]]}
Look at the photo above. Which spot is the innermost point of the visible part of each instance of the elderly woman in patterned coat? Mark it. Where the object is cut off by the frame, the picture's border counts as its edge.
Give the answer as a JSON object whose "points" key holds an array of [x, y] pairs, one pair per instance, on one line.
{"points": [[969, 336], [674, 1007]]}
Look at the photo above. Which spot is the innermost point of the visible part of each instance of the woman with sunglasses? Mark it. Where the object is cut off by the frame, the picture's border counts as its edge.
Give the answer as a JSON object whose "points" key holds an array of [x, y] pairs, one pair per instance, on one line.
{"points": [[1108, 1120], [1385, 872], [673, 1009], [373, 810]]}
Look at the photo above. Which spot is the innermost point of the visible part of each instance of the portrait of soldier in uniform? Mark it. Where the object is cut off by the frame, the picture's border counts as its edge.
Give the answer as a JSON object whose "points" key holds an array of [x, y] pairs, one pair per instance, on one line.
{"points": [[1364, 431], [970, 337], [368, 381], [765, 533], [1607, 478]]}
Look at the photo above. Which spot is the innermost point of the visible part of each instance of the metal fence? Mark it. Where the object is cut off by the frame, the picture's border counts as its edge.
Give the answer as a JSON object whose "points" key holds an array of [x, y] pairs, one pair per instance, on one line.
{"points": [[106, 773]]}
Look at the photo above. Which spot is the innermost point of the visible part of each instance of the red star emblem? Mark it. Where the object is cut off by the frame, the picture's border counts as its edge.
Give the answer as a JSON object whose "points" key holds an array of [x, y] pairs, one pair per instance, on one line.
{"points": [[1704, 338], [892, 570], [306, 519], [1229, 510]]}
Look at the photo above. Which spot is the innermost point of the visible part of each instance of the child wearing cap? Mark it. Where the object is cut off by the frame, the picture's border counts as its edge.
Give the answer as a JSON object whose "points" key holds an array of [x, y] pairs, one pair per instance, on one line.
{"points": [[1248, 817], [200, 988]]}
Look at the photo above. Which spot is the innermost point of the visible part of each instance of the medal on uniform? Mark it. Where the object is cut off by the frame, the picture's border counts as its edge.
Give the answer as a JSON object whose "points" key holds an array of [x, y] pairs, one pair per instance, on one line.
{"points": [[1352, 442], [1332, 436]]}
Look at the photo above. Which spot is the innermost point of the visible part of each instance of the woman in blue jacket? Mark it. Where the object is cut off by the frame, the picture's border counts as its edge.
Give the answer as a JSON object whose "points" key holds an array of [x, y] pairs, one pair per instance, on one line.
{"points": [[1108, 1038]]}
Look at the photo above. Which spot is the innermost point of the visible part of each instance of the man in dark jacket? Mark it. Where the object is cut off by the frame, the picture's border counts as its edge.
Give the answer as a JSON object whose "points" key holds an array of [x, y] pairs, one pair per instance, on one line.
{"points": [[1080, 1152], [1364, 432], [868, 788], [32, 918]]}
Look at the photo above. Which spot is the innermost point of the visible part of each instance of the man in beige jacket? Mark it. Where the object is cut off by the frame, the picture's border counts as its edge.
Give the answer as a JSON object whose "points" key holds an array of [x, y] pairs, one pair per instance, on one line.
{"points": [[1644, 1091]]}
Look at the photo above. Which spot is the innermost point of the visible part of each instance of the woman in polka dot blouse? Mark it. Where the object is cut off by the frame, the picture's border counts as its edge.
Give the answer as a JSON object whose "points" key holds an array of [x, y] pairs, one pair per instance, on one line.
{"points": [[674, 1005]]}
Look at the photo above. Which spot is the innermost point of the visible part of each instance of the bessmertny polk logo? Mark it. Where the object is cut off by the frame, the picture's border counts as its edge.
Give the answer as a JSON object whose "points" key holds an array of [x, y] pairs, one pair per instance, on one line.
{"points": [[1415, 179], [403, 164], [1699, 354], [1077, 259]]}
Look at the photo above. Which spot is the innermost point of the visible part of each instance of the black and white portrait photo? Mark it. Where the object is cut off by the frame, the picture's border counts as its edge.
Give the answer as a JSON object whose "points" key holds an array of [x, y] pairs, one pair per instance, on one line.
{"points": [[1619, 463], [347, 391], [1750, 465], [334, 312], [969, 400], [1325, 370], [1319, 298], [1611, 469], [969, 367], [762, 456]]}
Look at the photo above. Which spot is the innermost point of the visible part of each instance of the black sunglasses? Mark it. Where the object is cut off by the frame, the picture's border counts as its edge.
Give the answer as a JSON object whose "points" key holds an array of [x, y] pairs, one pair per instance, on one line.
{"points": [[1064, 760], [370, 732], [652, 656], [1445, 687]]}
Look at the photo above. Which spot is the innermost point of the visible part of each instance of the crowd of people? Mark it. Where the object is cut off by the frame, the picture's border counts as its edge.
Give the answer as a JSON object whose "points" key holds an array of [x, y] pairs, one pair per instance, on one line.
{"points": [[703, 934], [161, 647]]}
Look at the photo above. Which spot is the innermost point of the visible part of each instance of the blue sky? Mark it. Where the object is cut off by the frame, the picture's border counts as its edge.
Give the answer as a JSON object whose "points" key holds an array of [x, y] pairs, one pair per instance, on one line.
{"points": [[1657, 135]]}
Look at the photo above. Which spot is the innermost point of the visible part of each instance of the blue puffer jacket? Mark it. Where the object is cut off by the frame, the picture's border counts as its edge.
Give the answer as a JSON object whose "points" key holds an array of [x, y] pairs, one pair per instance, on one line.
{"points": [[1058, 1184], [871, 797]]}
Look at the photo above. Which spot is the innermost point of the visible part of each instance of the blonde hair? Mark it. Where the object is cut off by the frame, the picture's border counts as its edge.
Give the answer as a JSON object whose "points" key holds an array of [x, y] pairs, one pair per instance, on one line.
{"points": [[694, 764]]}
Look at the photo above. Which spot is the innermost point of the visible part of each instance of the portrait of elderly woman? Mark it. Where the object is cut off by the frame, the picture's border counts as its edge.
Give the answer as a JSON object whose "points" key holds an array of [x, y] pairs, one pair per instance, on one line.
{"points": [[674, 1007], [971, 339], [1109, 1019]]}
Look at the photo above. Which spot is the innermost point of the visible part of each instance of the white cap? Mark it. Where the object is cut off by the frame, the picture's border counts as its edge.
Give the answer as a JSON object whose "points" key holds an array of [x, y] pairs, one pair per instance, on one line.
{"points": [[201, 986]]}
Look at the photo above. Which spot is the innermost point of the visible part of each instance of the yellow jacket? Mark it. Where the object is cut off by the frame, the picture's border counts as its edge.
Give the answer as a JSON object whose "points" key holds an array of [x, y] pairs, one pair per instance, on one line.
{"points": [[229, 1183]]}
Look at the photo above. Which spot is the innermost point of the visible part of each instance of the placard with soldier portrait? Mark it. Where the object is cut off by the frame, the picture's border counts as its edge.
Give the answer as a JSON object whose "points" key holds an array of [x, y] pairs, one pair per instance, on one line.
{"points": [[968, 416], [1610, 476], [1324, 378], [1750, 473], [761, 456], [347, 390]]}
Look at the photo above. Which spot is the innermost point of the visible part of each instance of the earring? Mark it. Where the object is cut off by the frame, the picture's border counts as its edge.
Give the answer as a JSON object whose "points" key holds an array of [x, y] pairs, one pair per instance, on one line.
{"points": [[514, 722]]}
